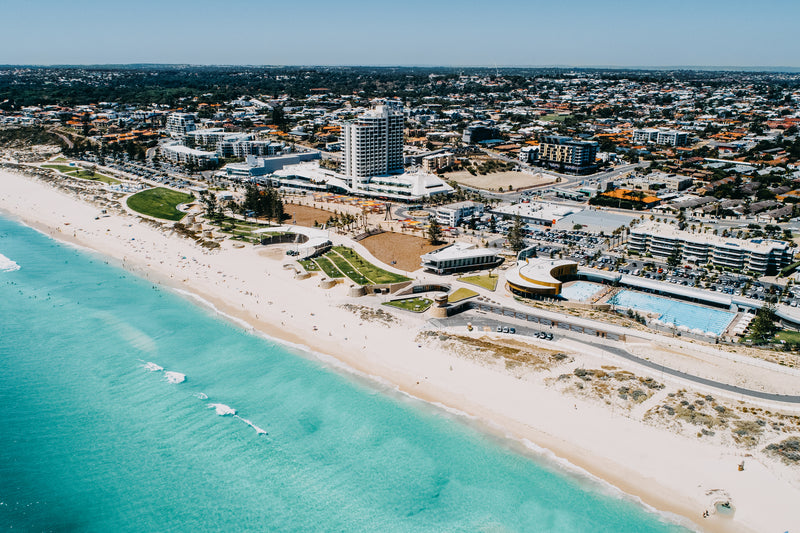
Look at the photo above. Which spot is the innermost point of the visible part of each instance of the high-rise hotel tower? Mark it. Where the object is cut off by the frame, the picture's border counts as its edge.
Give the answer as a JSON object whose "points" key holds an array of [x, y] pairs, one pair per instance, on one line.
{"points": [[373, 143]]}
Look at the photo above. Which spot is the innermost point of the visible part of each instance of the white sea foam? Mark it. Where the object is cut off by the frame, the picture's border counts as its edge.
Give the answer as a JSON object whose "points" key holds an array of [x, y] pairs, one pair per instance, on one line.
{"points": [[7, 265], [152, 367], [562, 464], [174, 377], [201, 395], [222, 409], [249, 423]]}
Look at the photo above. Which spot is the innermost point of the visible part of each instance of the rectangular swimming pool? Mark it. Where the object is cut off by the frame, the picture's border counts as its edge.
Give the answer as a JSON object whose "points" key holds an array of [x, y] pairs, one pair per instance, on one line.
{"points": [[580, 291], [676, 312]]}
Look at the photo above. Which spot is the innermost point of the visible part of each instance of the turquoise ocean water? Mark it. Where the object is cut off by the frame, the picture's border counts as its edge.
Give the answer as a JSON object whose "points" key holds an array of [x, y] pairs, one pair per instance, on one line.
{"points": [[91, 440]]}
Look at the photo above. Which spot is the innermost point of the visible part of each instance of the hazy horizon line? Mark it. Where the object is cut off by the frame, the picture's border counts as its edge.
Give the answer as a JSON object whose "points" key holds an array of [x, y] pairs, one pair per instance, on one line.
{"points": [[725, 68]]}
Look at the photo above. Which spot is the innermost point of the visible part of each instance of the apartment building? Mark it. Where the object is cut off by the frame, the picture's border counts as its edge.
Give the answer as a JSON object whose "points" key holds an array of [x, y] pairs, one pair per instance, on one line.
{"points": [[373, 143], [453, 214], [475, 133], [183, 155], [567, 154], [432, 163], [657, 136], [761, 256], [179, 124]]}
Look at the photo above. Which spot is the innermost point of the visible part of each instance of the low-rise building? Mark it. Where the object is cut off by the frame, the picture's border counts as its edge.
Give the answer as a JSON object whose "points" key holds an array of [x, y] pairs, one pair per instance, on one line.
{"points": [[183, 155], [460, 257], [405, 187], [663, 241], [453, 214], [535, 277], [538, 213], [432, 163], [659, 136]]}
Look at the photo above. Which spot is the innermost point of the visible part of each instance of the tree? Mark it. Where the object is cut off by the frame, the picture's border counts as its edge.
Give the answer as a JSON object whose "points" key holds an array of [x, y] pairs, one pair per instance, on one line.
{"points": [[763, 326], [674, 258], [213, 209], [492, 224], [516, 235], [434, 231]]}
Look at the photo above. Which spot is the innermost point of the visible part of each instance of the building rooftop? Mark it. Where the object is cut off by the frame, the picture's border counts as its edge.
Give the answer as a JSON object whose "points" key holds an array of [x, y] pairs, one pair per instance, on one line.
{"points": [[672, 232], [458, 250]]}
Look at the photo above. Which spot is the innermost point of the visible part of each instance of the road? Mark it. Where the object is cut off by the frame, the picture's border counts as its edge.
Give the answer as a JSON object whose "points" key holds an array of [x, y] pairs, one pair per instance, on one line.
{"points": [[480, 321]]}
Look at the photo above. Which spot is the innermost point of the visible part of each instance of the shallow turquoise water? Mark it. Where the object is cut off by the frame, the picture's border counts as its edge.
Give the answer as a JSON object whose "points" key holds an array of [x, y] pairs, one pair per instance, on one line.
{"points": [[92, 441], [676, 312], [580, 291]]}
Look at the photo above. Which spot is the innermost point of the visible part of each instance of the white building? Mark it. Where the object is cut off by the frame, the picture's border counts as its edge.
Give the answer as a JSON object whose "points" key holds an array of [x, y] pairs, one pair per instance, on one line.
{"points": [[179, 124], [453, 214], [406, 187], [373, 143], [183, 155], [460, 257], [658, 136], [432, 163], [539, 213], [756, 255]]}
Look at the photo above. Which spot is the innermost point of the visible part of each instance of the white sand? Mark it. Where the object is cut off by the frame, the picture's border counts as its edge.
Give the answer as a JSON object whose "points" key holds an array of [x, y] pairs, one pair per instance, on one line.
{"points": [[666, 470]]}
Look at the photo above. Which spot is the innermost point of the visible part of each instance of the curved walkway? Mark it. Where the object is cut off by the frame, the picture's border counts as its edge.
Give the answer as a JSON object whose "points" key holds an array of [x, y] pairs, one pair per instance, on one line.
{"points": [[480, 321]]}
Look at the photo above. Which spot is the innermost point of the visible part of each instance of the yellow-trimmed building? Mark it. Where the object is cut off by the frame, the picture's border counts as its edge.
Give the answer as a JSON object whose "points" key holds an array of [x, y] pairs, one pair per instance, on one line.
{"points": [[540, 277]]}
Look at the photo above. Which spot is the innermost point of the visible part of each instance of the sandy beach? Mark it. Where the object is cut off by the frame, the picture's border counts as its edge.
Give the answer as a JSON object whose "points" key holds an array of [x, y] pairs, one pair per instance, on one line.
{"points": [[670, 470]]}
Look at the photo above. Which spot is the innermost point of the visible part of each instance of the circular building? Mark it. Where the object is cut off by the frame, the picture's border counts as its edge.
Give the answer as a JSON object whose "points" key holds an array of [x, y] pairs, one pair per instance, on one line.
{"points": [[535, 277]]}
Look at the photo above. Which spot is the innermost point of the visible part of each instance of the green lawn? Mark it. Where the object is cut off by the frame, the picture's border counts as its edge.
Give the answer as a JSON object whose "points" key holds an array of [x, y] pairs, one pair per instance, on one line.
{"points": [[61, 168], [79, 172], [416, 305], [788, 336], [367, 269], [159, 203], [328, 268], [309, 265], [486, 281], [460, 294], [554, 117], [93, 176], [348, 269]]}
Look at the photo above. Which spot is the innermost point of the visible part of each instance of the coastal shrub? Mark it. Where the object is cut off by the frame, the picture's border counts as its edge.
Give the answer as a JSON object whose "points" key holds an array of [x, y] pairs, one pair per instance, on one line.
{"points": [[787, 450]]}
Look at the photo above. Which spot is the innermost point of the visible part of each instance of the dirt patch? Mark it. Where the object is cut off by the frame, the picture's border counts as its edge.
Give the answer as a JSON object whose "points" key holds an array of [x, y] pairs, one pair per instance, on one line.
{"points": [[302, 215], [405, 250], [495, 180]]}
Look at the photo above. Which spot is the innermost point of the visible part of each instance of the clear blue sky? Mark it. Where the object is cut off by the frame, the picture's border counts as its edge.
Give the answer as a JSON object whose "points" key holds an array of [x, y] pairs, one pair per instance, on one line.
{"points": [[404, 32]]}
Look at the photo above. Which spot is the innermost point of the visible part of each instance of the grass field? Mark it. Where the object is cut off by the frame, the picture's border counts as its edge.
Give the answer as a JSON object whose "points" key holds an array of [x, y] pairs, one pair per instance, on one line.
{"points": [[365, 269], [93, 176], [416, 305], [243, 230], [460, 294], [61, 168], [788, 336], [348, 269], [159, 203], [309, 265], [342, 261], [78, 172], [486, 281], [554, 117], [328, 268]]}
